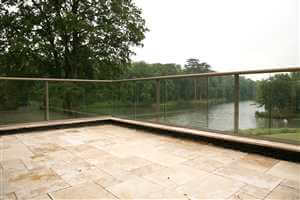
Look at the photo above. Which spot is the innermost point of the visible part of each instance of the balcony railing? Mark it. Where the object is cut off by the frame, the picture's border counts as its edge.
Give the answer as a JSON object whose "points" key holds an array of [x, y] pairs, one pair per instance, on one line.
{"points": [[226, 103]]}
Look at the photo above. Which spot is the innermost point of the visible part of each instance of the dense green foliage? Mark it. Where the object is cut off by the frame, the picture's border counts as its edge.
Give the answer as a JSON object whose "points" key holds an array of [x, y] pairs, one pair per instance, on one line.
{"points": [[14, 94], [65, 39], [201, 90], [68, 38], [279, 95]]}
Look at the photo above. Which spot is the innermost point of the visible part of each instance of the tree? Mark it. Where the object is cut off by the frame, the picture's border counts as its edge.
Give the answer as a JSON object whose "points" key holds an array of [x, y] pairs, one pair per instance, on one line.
{"points": [[68, 38], [295, 76], [247, 89], [278, 93], [193, 65]]}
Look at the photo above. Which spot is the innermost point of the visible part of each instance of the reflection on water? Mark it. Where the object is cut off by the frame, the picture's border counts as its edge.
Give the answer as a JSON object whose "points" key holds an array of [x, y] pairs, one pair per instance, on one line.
{"points": [[220, 117]]}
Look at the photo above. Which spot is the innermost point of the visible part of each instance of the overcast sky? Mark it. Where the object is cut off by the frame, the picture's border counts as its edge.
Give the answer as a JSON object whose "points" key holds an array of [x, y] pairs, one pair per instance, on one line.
{"points": [[230, 35]]}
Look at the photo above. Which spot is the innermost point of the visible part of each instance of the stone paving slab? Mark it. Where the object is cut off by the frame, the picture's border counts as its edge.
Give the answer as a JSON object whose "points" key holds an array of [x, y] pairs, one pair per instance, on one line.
{"points": [[285, 193], [256, 162], [147, 170], [242, 196], [114, 162], [136, 188], [212, 187], [255, 191], [286, 170], [27, 184], [250, 176], [11, 166], [295, 184], [83, 191], [175, 176], [204, 164]]}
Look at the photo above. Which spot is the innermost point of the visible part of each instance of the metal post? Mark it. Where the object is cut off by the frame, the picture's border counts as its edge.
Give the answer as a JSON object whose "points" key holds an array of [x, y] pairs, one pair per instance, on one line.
{"points": [[195, 89], [293, 107], [166, 98], [135, 98], [236, 102], [119, 100], [270, 107], [46, 101], [113, 99], [207, 104], [157, 97]]}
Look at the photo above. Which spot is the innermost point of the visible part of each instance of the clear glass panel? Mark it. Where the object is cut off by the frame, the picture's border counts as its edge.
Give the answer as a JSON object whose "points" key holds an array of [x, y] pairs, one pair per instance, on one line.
{"points": [[97, 99], [221, 106], [114, 98], [67, 100], [186, 102], [146, 107], [274, 112], [21, 101], [285, 112], [255, 101], [79, 99], [125, 102]]}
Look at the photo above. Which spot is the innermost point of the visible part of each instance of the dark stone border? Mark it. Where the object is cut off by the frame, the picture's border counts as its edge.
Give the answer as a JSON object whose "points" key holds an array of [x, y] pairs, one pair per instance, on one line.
{"points": [[55, 126]]}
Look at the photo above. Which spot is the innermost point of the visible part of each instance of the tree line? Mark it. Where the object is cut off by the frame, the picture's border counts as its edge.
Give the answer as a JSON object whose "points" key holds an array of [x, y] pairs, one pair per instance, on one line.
{"points": [[75, 96], [279, 95], [202, 89]]}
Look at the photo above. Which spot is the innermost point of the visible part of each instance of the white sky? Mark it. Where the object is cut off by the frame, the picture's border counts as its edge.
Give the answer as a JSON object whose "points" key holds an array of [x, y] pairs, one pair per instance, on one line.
{"points": [[228, 34]]}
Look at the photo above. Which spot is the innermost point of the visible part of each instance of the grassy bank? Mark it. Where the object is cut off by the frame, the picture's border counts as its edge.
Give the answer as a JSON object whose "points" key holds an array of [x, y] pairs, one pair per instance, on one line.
{"points": [[292, 134], [277, 115]]}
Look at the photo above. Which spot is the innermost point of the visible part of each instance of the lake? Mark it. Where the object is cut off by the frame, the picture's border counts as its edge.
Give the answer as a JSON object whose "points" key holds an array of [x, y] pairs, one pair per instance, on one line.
{"points": [[220, 117]]}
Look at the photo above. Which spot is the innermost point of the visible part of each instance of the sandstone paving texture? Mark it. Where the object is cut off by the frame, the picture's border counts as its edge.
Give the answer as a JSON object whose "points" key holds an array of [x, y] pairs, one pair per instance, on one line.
{"points": [[114, 162]]}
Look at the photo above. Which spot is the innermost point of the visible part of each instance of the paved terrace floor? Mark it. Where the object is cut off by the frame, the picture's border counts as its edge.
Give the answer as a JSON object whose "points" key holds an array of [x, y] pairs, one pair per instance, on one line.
{"points": [[113, 162]]}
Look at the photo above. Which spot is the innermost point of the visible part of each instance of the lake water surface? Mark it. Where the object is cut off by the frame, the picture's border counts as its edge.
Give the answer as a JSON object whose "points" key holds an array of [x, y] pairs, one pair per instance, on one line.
{"points": [[220, 117]]}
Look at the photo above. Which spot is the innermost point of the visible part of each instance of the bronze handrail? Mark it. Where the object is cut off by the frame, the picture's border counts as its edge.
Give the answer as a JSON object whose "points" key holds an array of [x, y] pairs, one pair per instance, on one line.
{"points": [[247, 72]]}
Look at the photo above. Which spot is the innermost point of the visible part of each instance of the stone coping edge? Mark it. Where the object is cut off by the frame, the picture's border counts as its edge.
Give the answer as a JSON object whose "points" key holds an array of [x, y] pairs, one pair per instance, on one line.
{"points": [[26, 127]]}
